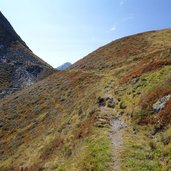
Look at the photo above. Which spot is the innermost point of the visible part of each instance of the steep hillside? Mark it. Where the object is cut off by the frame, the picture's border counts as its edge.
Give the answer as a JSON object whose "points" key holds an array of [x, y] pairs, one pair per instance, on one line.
{"points": [[111, 111], [19, 67], [129, 53], [50, 123]]}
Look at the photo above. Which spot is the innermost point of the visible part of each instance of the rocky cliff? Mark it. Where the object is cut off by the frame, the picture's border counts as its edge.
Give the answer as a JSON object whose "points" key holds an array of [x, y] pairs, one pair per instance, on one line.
{"points": [[19, 66]]}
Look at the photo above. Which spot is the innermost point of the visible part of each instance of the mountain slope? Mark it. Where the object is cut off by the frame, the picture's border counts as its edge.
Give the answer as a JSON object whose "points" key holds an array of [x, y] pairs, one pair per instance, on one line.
{"points": [[53, 114], [111, 111], [127, 52], [19, 67]]}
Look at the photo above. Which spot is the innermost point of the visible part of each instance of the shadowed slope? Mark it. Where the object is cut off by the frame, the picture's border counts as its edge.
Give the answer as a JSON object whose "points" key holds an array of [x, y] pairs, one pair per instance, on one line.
{"points": [[19, 67]]}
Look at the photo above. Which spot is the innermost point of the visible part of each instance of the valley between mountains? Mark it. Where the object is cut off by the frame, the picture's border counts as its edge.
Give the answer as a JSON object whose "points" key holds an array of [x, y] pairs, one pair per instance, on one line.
{"points": [[110, 111]]}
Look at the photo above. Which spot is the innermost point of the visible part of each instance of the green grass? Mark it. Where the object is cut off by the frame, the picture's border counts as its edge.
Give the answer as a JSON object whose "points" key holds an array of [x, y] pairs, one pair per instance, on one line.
{"points": [[98, 152], [142, 151], [94, 155]]}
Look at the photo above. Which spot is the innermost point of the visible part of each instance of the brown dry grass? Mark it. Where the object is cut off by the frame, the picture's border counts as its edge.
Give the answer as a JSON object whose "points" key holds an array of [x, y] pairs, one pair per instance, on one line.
{"points": [[52, 124]]}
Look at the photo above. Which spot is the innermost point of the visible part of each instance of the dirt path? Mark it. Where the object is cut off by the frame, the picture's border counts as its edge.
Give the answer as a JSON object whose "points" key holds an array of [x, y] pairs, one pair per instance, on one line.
{"points": [[117, 124], [117, 141]]}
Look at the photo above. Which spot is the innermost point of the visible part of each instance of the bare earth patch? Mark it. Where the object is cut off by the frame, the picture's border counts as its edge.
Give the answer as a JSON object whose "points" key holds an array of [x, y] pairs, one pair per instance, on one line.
{"points": [[117, 141]]}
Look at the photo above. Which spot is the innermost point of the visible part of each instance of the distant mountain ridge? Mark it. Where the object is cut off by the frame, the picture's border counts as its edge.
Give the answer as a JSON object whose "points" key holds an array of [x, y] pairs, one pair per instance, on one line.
{"points": [[64, 66], [19, 67]]}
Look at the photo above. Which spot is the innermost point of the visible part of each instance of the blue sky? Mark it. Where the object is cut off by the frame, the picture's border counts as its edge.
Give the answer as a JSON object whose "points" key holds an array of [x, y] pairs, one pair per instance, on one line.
{"points": [[61, 31]]}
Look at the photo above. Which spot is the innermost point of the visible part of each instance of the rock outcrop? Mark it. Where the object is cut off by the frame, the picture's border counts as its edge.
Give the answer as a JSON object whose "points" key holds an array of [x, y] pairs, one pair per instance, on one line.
{"points": [[160, 104], [19, 67]]}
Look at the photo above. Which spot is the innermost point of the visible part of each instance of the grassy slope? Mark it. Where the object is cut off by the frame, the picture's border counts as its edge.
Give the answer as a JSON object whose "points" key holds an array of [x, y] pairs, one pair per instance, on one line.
{"points": [[52, 125], [141, 64], [58, 125]]}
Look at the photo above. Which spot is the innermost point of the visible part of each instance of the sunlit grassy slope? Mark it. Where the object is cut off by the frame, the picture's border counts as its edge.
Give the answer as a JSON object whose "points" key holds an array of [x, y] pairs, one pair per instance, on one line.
{"points": [[58, 123]]}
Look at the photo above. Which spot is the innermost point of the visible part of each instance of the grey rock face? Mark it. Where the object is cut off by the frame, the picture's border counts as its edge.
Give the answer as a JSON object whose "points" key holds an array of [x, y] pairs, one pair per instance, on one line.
{"points": [[8, 91], [19, 67], [160, 104], [22, 78]]}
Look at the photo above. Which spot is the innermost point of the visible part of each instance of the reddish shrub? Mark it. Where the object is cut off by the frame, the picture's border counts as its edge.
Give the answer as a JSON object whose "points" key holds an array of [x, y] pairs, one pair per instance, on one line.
{"points": [[144, 67], [164, 116], [151, 97], [85, 128]]}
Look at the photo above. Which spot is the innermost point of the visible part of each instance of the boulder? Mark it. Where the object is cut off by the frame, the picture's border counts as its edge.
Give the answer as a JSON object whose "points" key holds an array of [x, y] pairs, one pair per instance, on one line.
{"points": [[160, 104]]}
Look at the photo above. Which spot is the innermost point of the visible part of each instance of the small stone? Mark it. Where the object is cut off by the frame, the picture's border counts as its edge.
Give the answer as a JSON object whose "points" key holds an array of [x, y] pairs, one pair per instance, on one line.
{"points": [[129, 114], [123, 105], [135, 80], [102, 120], [112, 103], [101, 101], [1, 124]]}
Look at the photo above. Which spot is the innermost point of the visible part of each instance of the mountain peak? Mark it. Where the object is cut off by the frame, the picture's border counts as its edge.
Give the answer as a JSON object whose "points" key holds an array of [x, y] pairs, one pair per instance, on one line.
{"points": [[64, 66], [7, 32], [19, 67]]}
